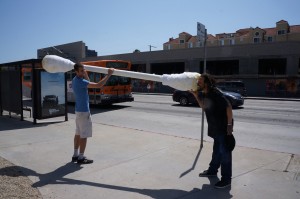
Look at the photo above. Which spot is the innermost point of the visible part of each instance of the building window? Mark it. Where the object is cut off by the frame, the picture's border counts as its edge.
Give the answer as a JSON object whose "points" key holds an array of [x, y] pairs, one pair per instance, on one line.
{"points": [[231, 41], [270, 39], [222, 42], [190, 45], [241, 39], [299, 67], [181, 41], [27, 76], [138, 68], [256, 40], [272, 66], [221, 67], [281, 32], [256, 34], [169, 46]]}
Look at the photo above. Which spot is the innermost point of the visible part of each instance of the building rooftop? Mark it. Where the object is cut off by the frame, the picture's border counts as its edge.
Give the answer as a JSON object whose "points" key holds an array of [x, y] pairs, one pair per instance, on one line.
{"points": [[244, 32]]}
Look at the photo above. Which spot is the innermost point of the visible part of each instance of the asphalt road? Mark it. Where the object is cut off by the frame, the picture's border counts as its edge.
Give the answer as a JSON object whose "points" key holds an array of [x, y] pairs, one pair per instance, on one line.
{"points": [[263, 124]]}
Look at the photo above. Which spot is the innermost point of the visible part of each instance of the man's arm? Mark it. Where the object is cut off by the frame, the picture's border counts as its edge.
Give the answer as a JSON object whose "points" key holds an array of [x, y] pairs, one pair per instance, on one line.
{"points": [[86, 76], [229, 119], [103, 81], [199, 101], [229, 114]]}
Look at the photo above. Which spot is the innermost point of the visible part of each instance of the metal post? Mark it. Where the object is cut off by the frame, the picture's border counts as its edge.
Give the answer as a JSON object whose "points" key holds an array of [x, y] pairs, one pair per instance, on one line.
{"points": [[205, 38], [66, 98], [34, 93], [21, 90], [1, 110], [204, 71]]}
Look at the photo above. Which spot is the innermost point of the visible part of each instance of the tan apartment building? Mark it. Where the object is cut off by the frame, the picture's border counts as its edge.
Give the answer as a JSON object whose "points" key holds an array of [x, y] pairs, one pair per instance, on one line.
{"points": [[282, 32]]}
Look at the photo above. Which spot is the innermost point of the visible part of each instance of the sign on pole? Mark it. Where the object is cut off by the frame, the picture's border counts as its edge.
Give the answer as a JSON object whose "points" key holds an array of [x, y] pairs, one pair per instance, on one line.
{"points": [[200, 31]]}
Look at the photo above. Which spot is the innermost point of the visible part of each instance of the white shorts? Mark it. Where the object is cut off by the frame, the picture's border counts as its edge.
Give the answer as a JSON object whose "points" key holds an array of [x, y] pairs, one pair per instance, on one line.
{"points": [[84, 124]]}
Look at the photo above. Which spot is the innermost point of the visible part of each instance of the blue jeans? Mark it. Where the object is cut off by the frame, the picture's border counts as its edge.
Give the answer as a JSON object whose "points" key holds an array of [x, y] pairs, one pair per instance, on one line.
{"points": [[221, 156]]}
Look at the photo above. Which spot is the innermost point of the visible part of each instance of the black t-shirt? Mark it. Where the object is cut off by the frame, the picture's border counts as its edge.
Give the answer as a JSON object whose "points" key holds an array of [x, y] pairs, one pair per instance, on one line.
{"points": [[215, 105]]}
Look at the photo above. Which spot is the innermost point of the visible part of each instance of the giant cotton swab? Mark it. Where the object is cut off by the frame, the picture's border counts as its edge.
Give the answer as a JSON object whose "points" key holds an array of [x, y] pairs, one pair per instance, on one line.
{"points": [[184, 81]]}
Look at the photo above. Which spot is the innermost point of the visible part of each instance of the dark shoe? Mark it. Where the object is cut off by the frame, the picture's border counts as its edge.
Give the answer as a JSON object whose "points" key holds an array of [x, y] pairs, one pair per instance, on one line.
{"points": [[207, 173], [222, 184], [84, 161], [74, 158]]}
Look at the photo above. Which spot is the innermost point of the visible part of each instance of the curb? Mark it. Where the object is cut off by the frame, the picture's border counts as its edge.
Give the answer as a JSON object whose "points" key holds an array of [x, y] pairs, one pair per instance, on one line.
{"points": [[250, 98], [272, 98]]}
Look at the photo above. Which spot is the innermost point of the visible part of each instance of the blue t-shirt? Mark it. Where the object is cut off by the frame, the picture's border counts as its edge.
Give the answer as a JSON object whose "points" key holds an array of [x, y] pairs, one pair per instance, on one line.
{"points": [[80, 90]]}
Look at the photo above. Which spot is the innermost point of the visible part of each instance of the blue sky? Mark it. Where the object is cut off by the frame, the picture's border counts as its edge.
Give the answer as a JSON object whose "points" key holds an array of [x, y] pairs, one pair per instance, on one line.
{"points": [[119, 26]]}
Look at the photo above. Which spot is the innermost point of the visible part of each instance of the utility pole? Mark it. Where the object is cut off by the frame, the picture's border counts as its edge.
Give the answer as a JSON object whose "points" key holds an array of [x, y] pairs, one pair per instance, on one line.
{"points": [[151, 46]]}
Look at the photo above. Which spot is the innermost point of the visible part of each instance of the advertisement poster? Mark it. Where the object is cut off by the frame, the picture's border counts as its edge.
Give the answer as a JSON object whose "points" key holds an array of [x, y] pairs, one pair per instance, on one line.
{"points": [[52, 94], [283, 87]]}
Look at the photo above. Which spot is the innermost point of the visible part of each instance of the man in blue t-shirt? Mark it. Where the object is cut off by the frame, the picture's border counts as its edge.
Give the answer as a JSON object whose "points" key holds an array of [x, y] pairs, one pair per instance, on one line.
{"points": [[80, 85]]}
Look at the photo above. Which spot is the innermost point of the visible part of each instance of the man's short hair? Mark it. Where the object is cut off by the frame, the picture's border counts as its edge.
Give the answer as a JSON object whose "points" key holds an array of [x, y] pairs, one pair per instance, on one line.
{"points": [[77, 66]]}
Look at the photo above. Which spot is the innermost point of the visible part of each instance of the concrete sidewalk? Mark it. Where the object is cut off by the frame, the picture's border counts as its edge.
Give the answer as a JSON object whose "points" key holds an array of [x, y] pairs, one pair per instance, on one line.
{"points": [[130, 163]]}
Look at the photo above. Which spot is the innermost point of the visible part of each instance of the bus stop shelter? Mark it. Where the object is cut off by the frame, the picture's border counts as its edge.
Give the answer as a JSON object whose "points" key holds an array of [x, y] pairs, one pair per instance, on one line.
{"points": [[26, 86]]}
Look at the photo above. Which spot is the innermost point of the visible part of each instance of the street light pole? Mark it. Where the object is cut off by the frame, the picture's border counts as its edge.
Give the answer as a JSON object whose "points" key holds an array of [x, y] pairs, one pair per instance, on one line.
{"points": [[205, 38], [151, 46], [57, 49]]}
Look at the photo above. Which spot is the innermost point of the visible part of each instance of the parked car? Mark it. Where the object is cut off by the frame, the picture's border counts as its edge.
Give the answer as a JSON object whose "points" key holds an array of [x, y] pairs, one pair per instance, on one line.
{"points": [[185, 98], [233, 86]]}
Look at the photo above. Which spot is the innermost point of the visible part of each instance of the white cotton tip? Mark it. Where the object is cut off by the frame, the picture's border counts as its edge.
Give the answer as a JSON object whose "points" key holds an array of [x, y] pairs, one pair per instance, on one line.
{"points": [[184, 81], [56, 64]]}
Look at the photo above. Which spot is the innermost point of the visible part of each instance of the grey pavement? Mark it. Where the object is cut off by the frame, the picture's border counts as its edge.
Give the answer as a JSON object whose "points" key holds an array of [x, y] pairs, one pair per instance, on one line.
{"points": [[130, 163]]}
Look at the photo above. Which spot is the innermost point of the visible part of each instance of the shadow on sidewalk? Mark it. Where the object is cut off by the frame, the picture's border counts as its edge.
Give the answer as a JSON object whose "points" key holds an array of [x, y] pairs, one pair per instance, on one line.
{"points": [[57, 177], [95, 109], [11, 123], [194, 164]]}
